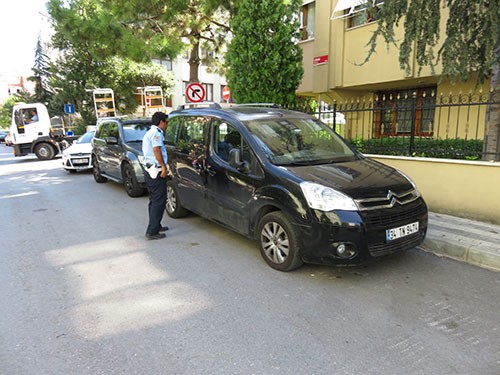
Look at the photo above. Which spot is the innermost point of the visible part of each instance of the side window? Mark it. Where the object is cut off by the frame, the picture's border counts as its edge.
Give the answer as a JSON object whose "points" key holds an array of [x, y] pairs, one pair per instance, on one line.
{"points": [[173, 129], [193, 135], [113, 130], [225, 137], [102, 131]]}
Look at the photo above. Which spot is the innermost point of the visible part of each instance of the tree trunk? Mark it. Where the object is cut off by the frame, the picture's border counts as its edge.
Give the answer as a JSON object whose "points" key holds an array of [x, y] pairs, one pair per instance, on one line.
{"points": [[194, 62], [491, 148]]}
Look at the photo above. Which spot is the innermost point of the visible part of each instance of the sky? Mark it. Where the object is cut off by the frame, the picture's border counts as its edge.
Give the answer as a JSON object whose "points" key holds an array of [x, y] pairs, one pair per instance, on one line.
{"points": [[20, 25]]}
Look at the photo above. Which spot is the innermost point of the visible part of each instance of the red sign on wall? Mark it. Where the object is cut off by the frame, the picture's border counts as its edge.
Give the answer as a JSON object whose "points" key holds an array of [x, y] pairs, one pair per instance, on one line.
{"points": [[318, 60]]}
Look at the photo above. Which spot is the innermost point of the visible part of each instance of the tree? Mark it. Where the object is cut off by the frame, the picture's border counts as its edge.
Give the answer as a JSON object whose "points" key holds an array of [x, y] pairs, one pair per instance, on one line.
{"points": [[40, 74], [6, 111], [142, 30], [90, 44], [264, 60], [471, 45], [75, 73]]}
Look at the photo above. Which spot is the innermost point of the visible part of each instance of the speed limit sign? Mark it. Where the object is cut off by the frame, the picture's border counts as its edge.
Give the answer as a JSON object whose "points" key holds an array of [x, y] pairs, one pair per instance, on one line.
{"points": [[195, 92]]}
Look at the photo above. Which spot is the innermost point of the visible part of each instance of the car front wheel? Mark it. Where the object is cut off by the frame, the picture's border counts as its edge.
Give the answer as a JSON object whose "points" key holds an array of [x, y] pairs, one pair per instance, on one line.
{"points": [[174, 208], [97, 172], [279, 244], [130, 181]]}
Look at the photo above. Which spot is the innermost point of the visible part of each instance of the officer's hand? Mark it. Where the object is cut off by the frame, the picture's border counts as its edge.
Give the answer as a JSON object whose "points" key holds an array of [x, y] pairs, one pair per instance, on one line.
{"points": [[163, 171]]}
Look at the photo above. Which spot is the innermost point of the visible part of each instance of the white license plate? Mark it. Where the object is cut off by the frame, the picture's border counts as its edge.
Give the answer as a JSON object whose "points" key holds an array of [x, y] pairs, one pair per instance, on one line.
{"points": [[80, 161], [402, 231]]}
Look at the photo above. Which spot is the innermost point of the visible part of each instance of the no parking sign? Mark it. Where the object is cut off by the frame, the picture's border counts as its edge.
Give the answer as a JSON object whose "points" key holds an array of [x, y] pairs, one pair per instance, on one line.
{"points": [[195, 92]]}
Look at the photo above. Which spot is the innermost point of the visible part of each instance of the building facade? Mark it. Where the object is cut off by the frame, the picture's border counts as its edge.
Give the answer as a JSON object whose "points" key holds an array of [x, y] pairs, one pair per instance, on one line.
{"points": [[377, 97]]}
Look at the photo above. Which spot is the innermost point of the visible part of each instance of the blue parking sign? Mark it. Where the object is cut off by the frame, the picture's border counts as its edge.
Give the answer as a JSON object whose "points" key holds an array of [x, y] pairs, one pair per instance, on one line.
{"points": [[69, 109]]}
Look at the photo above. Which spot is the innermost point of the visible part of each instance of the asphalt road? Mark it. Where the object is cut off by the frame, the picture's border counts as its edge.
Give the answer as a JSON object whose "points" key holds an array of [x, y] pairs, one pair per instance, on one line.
{"points": [[82, 292]]}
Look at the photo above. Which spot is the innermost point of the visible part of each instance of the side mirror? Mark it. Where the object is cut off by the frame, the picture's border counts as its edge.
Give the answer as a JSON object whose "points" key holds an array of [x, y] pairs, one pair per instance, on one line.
{"points": [[235, 161], [234, 157], [111, 140]]}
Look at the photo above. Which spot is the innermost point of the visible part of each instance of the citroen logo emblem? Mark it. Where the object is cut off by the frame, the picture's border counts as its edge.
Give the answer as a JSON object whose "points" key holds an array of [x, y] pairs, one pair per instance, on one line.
{"points": [[390, 194], [392, 198]]}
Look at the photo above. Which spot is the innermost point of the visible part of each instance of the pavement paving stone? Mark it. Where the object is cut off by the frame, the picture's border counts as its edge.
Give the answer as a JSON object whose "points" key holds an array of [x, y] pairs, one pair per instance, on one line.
{"points": [[462, 239]]}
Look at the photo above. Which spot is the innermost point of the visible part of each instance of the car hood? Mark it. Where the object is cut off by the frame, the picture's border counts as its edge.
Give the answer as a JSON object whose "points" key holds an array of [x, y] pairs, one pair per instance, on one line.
{"points": [[363, 178], [76, 148]]}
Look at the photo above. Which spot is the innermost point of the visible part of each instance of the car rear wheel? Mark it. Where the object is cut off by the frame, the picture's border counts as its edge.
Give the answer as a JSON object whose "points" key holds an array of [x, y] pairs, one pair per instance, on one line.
{"points": [[97, 172], [132, 187], [174, 208], [279, 244]]}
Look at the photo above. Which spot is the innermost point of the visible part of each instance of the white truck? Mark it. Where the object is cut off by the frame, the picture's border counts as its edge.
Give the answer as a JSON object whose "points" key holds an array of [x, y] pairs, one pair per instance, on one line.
{"points": [[31, 131]]}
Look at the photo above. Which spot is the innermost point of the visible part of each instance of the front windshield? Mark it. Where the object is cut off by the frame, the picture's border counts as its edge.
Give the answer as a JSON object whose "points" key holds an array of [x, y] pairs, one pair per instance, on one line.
{"points": [[302, 141], [86, 138], [135, 132]]}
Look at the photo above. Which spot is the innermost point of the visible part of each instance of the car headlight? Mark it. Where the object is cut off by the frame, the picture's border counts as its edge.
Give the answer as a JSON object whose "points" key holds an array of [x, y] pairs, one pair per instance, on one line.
{"points": [[323, 198]]}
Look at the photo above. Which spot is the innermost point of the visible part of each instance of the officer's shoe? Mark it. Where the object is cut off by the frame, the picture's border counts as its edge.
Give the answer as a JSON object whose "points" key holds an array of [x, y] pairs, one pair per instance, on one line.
{"points": [[163, 229], [156, 236]]}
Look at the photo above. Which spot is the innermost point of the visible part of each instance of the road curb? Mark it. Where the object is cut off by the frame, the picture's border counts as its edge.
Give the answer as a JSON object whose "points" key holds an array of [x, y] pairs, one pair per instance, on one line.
{"points": [[441, 245]]}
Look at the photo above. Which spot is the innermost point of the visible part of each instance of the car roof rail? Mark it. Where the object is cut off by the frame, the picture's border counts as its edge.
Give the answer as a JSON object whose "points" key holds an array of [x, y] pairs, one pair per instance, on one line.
{"points": [[199, 105], [268, 105]]}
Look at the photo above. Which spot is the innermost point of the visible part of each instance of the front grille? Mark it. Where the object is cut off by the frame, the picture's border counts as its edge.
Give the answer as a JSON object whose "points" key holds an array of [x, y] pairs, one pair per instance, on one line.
{"points": [[381, 249], [392, 217], [389, 200], [377, 222]]}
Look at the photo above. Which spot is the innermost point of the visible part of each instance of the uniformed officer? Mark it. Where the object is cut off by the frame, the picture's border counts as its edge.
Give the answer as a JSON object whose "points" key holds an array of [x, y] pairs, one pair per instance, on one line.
{"points": [[155, 158]]}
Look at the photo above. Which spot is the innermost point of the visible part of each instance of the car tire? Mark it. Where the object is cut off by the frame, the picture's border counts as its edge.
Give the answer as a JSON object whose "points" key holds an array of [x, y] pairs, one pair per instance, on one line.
{"points": [[173, 207], [130, 182], [97, 172], [44, 151], [279, 243]]}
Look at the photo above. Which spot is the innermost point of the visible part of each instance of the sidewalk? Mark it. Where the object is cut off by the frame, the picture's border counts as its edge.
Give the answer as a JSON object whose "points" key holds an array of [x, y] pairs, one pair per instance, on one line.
{"points": [[466, 240]]}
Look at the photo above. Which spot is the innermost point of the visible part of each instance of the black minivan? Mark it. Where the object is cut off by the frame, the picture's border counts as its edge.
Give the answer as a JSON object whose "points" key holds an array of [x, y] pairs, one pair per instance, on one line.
{"points": [[288, 180]]}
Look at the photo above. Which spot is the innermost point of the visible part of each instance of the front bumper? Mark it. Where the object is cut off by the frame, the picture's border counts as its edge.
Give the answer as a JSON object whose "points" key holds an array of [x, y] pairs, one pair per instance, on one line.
{"points": [[364, 231], [77, 162]]}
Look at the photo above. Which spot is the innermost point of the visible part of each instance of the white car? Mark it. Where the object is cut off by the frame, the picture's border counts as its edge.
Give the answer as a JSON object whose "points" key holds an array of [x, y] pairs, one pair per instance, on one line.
{"points": [[77, 156]]}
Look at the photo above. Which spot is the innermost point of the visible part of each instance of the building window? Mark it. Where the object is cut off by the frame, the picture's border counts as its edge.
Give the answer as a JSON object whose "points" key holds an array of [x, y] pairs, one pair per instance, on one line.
{"points": [[362, 15], [398, 112], [167, 63], [307, 21], [209, 92]]}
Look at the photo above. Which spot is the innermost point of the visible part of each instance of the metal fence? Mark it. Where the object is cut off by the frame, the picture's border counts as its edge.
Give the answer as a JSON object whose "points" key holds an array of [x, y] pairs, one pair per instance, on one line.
{"points": [[420, 123]]}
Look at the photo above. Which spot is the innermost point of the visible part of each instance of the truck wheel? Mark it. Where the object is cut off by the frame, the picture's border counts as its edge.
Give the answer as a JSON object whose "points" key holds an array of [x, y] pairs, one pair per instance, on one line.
{"points": [[97, 172], [44, 151], [132, 187], [174, 208], [279, 243]]}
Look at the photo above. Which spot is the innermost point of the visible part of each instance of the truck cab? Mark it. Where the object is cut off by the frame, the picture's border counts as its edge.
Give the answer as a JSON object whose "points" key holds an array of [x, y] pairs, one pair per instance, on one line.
{"points": [[30, 131]]}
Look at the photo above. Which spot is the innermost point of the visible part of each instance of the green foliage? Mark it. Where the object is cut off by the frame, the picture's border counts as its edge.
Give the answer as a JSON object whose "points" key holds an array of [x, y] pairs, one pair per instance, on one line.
{"points": [[469, 149], [264, 60], [472, 41], [6, 111], [141, 30]]}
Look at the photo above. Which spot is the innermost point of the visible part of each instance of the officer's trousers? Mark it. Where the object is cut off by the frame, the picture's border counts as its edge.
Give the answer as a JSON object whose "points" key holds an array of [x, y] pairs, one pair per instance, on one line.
{"points": [[157, 188]]}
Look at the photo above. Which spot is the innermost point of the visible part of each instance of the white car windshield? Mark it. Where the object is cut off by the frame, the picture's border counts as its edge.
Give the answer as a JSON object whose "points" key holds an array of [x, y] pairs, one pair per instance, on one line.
{"points": [[86, 138], [300, 141]]}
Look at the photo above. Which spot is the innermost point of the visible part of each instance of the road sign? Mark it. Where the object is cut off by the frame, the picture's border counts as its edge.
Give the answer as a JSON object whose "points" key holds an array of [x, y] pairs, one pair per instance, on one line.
{"points": [[69, 109], [195, 92], [226, 93]]}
